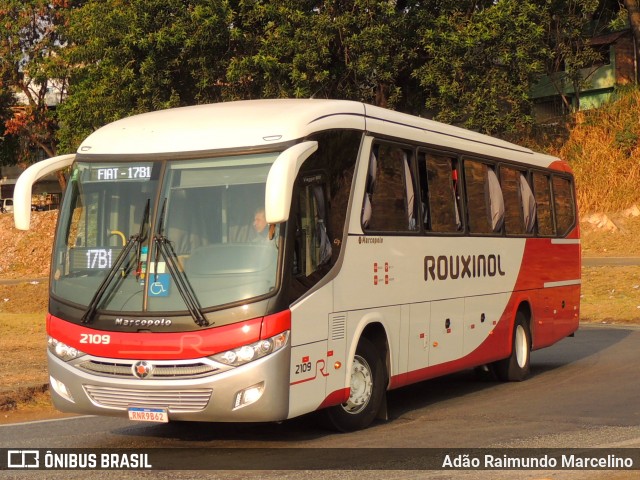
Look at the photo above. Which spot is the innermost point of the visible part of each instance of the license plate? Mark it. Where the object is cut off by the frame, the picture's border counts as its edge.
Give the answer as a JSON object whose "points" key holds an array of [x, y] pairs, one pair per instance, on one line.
{"points": [[141, 414]]}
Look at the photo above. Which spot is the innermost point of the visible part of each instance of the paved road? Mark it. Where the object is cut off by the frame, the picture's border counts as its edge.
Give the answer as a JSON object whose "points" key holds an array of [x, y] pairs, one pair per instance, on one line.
{"points": [[583, 393], [610, 261]]}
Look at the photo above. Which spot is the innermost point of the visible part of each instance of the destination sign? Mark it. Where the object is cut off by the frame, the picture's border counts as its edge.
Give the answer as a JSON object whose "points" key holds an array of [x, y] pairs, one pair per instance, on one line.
{"points": [[141, 172], [82, 258]]}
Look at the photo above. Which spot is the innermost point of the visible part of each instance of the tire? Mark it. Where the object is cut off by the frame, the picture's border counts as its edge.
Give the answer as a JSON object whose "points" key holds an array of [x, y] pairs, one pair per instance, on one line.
{"points": [[516, 367], [367, 390]]}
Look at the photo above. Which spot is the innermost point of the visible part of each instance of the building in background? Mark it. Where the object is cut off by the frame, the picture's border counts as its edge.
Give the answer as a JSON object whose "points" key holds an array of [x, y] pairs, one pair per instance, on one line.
{"points": [[617, 65], [46, 192]]}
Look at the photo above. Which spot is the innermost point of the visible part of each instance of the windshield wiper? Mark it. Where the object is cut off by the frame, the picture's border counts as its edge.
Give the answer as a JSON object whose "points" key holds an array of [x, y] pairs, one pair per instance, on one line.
{"points": [[164, 247], [134, 240]]}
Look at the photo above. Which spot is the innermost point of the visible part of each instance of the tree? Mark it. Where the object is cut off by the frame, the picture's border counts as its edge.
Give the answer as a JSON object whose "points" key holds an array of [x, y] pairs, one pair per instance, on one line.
{"points": [[140, 55], [468, 62], [479, 61], [31, 66], [358, 49], [633, 8], [8, 143], [570, 26]]}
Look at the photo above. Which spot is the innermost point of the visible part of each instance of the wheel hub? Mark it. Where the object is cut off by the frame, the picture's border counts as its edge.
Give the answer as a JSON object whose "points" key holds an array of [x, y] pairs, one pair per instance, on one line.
{"points": [[361, 386]]}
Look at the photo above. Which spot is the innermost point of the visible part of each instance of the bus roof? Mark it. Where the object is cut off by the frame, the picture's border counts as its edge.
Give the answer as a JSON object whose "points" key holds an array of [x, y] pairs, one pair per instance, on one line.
{"points": [[260, 123]]}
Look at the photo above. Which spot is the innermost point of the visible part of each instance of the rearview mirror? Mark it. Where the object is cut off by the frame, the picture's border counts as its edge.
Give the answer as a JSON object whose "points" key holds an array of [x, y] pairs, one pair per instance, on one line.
{"points": [[24, 185], [282, 175]]}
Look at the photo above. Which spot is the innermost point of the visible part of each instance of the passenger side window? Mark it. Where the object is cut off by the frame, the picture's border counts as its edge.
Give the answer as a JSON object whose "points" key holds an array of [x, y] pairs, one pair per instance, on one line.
{"points": [[542, 192], [313, 247], [520, 205], [485, 204], [389, 203], [529, 206], [563, 202], [439, 178], [319, 208]]}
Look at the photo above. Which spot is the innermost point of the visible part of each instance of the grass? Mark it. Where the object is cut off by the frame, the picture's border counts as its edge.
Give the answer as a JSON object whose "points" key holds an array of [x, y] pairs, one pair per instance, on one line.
{"points": [[610, 294], [22, 343]]}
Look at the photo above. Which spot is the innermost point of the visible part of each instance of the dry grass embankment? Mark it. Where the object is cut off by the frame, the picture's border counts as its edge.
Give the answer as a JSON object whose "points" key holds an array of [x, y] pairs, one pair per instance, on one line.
{"points": [[603, 149]]}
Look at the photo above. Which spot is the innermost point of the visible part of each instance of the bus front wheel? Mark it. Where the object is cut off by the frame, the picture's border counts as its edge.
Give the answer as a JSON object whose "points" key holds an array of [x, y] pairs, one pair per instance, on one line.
{"points": [[367, 388], [515, 368]]}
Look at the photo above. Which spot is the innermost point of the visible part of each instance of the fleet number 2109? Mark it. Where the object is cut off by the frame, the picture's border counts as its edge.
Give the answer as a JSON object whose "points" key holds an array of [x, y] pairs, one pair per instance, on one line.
{"points": [[303, 367], [95, 339]]}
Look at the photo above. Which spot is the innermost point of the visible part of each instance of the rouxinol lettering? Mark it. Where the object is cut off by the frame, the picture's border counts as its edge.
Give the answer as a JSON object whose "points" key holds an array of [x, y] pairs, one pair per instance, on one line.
{"points": [[446, 267]]}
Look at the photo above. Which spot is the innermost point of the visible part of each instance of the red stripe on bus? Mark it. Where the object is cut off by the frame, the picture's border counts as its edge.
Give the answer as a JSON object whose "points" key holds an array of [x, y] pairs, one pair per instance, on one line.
{"points": [[166, 345], [275, 324], [335, 398]]}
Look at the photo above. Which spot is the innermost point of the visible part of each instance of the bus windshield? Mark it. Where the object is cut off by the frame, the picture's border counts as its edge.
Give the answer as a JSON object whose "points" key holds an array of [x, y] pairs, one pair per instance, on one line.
{"points": [[162, 236]]}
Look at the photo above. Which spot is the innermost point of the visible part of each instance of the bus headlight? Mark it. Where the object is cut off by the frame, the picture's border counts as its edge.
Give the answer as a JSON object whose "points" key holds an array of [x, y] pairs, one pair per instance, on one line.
{"points": [[248, 353], [62, 350]]}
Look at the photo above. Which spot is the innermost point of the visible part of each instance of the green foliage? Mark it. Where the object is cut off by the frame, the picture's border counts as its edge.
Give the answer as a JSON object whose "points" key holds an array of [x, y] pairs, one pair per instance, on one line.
{"points": [[133, 56], [30, 64], [468, 62], [479, 63], [360, 50], [8, 143], [570, 28]]}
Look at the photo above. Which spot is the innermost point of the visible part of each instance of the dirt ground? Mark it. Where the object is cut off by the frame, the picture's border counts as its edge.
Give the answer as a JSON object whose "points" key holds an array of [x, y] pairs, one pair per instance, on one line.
{"points": [[26, 254]]}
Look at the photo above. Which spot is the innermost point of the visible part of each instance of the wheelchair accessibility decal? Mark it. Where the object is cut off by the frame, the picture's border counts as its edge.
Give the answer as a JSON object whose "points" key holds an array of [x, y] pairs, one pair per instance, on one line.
{"points": [[159, 285]]}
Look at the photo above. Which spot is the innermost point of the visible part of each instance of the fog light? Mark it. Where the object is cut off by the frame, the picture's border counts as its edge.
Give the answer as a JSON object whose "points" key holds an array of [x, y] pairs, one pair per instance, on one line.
{"points": [[61, 389], [248, 395]]}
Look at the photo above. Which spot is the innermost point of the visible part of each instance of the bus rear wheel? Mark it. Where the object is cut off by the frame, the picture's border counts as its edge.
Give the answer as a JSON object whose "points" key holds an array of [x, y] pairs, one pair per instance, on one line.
{"points": [[516, 367], [367, 388]]}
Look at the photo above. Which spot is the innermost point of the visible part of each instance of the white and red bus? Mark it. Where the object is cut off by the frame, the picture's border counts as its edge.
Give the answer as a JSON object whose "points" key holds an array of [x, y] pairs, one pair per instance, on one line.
{"points": [[396, 249]]}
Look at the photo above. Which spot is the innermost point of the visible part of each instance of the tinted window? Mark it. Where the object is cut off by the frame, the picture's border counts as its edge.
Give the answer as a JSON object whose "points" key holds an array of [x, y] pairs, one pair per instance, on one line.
{"points": [[440, 178], [563, 202], [485, 204], [320, 207], [389, 203], [542, 192], [513, 208]]}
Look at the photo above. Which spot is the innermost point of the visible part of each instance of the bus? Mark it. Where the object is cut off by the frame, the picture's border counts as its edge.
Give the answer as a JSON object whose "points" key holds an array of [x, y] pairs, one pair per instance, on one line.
{"points": [[254, 261]]}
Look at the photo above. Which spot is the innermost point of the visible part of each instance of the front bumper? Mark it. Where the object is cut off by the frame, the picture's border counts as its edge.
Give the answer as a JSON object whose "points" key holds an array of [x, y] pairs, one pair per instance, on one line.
{"points": [[213, 398]]}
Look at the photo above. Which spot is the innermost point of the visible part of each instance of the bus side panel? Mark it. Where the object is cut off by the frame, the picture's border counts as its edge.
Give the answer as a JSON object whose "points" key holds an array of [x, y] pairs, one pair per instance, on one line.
{"points": [[494, 344], [472, 321], [391, 319], [446, 331], [396, 270], [309, 372], [481, 316], [427, 279], [338, 378], [555, 315], [309, 362], [419, 338], [550, 271]]}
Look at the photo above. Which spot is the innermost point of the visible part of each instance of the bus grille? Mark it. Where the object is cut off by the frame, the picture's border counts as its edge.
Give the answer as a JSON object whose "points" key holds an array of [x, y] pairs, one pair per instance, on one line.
{"points": [[183, 400], [161, 371]]}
